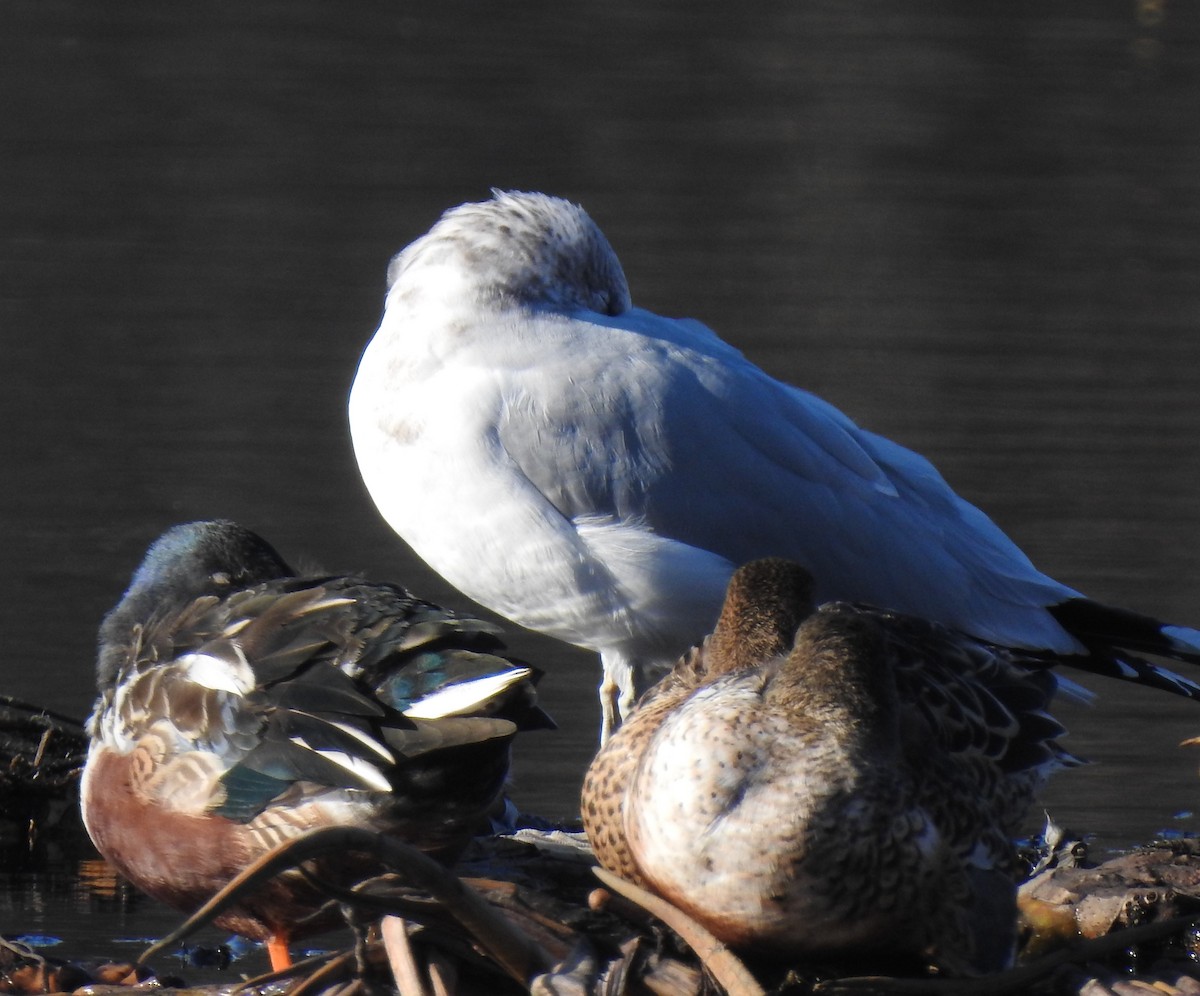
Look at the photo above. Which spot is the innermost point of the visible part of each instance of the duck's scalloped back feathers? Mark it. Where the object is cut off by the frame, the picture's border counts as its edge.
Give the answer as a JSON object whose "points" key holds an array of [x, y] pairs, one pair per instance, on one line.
{"points": [[974, 699]]}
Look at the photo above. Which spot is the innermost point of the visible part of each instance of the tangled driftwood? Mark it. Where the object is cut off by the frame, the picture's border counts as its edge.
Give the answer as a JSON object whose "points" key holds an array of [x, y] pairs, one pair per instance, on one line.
{"points": [[537, 924]]}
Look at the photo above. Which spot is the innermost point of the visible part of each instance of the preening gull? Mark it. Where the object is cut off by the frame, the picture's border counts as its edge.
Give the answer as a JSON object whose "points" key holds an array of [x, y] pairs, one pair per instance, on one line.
{"points": [[596, 472]]}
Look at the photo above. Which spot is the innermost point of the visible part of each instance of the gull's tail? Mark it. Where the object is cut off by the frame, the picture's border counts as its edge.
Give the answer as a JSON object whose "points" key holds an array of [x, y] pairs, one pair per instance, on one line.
{"points": [[1115, 639]]}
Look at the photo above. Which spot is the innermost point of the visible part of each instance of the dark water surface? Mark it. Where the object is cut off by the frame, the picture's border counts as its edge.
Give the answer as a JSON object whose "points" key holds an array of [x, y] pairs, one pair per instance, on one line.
{"points": [[975, 227]]}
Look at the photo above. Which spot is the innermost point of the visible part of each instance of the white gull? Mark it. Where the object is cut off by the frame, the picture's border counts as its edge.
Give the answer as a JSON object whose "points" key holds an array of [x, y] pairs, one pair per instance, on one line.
{"points": [[596, 472]]}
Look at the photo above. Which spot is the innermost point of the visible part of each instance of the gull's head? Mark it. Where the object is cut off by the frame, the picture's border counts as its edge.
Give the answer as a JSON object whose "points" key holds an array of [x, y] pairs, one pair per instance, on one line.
{"points": [[518, 248]]}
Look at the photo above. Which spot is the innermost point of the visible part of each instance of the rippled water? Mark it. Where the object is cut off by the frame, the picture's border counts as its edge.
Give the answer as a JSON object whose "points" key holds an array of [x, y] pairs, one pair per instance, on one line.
{"points": [[975, 228]]}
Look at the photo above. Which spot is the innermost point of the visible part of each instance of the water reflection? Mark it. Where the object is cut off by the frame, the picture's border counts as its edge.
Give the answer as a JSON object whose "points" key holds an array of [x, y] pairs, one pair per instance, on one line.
{"points": [[85, 914]]}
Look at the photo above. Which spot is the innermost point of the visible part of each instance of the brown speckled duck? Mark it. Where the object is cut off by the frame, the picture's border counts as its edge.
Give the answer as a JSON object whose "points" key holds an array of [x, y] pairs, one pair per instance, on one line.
{"points": [[830, 782], [241, 705]]}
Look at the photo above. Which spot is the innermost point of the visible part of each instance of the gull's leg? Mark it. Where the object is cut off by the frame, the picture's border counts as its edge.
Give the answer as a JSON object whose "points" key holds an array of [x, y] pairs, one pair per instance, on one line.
{"points": [[629, 684], [610, 716], [618, 693]]}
